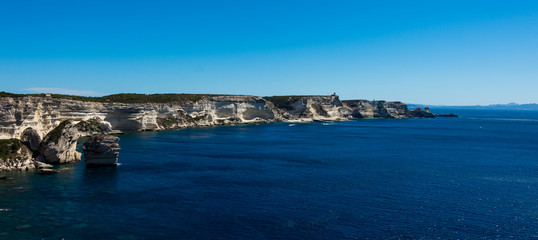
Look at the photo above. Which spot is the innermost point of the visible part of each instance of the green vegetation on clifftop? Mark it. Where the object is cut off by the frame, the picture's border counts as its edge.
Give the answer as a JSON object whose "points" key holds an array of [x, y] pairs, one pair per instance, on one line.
{"points": [[91, 125], [9, 147], [124, 97], [279, 101], [56, 133], [6, 94]]}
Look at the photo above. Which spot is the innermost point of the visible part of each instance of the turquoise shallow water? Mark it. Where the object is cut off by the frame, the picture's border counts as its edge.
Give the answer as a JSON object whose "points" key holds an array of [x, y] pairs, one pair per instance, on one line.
{"points": [[469, 178]]}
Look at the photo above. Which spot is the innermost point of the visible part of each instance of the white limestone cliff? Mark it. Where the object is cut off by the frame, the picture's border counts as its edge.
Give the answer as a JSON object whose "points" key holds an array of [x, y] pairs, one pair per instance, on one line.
{"points": [[49, 127]]}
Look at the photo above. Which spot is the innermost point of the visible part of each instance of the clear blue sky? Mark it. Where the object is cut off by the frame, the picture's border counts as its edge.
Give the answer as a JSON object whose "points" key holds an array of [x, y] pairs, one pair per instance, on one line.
{"points": [[431, 52]]}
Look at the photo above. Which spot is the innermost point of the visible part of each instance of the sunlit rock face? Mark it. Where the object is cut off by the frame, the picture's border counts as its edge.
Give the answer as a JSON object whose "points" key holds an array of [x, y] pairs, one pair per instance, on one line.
{"points": [[15, 156], [59, 145], [42, 114], [316, 108], [324, 108], [101, 150]]}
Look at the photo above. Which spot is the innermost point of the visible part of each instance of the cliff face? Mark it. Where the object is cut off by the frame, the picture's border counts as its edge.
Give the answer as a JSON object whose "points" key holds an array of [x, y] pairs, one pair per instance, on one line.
{"points": [[43, 114], [101, 150], [311, 108], [383, 109], [35, 120]]}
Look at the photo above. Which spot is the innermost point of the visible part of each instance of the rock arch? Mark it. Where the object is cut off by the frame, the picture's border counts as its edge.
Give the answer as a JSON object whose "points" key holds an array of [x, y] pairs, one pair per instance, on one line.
{"points": [[59, 145], [31, 138]]}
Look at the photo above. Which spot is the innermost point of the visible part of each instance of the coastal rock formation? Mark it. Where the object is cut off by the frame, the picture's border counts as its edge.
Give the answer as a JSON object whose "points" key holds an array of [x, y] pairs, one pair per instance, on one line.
{"points": [[310, 108], [419, 113], [15, 156], [45, 113], [101, 150], [59, 145], [380, 109], [42, 165], [39, 115], [50, 126]]}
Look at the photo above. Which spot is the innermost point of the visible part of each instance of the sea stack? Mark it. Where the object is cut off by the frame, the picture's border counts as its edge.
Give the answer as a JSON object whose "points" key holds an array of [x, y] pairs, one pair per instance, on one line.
{"points": [[101, 150]]}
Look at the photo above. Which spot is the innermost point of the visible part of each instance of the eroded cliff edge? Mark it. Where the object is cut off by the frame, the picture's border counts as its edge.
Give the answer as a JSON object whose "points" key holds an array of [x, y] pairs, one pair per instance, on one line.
{"points": [[36, 119]]}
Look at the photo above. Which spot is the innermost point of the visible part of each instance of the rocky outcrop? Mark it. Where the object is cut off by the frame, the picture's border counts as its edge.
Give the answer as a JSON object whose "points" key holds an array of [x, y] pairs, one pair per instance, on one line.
{"points": [[101, 150], [422, 113], [15, 156], [42, 165], [59, 145]]}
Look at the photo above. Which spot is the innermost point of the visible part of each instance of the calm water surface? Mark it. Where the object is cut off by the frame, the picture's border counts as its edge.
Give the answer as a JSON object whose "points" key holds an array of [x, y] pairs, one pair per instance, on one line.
{"points": [[471, 177]]}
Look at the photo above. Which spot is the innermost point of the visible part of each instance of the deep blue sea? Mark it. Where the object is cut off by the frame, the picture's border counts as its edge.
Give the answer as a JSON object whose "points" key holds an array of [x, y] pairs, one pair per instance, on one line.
{"points": [[474, 177]]}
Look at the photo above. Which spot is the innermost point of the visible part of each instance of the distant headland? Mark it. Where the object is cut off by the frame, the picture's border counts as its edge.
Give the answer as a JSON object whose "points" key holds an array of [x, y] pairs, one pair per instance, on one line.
{"points": [[509, 106]]}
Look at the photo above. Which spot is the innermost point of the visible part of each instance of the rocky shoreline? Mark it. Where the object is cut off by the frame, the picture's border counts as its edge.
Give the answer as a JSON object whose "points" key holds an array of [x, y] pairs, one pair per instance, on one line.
{"points": [[38, 130]]}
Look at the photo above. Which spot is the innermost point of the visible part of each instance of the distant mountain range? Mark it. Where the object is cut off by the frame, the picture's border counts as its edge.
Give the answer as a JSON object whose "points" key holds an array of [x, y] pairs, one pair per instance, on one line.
{"points": [[509, 106]]}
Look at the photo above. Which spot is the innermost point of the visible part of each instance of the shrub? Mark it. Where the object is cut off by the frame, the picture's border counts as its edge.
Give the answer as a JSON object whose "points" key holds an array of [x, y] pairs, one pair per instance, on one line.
{"points": [[9, 147], [56, 133]]}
